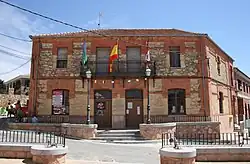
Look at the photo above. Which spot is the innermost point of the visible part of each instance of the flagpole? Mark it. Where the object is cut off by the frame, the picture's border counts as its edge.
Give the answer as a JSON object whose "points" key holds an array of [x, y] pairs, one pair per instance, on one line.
{"points": [[118, 60], [117, 42], [99, 21]]}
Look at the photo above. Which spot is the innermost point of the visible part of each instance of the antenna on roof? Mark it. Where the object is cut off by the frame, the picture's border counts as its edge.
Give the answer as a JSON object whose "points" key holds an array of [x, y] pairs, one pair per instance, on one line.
{"points": [[99, 20]]}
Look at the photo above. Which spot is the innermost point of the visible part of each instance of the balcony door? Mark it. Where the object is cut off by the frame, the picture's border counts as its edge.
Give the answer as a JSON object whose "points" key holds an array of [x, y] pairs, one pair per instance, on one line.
{"points": [[133, 56], [102, 60]]}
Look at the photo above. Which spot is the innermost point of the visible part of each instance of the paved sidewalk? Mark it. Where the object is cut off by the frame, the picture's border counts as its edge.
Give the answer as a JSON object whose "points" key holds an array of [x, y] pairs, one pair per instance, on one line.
{"points": [[21, 161]]}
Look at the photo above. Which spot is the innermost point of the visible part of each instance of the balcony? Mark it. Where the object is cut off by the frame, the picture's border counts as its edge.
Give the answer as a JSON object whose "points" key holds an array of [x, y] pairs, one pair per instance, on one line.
{"points": [[119, 69]]}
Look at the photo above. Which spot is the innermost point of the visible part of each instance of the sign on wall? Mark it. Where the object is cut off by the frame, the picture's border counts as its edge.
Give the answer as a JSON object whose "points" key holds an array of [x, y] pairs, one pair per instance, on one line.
{"points": [[57, 98], [57, 102]]}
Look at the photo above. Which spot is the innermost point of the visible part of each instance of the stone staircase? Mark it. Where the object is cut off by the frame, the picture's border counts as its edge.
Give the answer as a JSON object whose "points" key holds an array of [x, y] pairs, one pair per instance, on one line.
{"points": [[121, 136]]}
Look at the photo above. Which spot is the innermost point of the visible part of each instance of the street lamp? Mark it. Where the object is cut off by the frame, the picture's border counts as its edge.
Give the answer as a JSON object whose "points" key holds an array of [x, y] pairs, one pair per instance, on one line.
{"points": [[88, 75], [148, 73]]}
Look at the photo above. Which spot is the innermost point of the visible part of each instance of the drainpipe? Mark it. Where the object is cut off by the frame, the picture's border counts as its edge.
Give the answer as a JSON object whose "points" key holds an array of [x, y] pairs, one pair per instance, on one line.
{"points": [[36, 81], [203, 79]]}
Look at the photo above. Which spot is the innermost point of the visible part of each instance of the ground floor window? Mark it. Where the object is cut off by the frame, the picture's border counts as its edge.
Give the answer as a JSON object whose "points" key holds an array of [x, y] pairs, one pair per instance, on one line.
{"points": [[60, 102], [176, 101]]}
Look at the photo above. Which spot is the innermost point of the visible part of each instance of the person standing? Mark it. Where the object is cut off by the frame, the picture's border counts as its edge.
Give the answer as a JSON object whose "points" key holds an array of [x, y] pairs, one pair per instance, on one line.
{"points": [[19, 112]]}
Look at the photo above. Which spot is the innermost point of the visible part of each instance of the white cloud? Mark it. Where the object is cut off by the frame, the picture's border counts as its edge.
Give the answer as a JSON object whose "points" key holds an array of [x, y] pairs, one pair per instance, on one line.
{"points": [[16, 23], [19, 24]]}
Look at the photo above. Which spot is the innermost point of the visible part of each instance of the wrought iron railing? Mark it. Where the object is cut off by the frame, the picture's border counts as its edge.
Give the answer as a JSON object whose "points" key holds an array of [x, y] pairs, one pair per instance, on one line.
{"points": [[200, 139], [25, 136], [119, 68]]}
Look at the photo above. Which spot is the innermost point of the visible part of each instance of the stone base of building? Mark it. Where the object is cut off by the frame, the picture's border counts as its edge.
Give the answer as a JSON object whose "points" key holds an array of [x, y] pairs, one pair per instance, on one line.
{"points": [[222, 154], [82, 131], [180, 130], [154, 131]]}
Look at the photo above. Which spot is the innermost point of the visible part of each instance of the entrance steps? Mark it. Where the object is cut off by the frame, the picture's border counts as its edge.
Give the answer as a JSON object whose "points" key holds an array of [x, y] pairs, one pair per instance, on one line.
{"points": [[119, 135]]}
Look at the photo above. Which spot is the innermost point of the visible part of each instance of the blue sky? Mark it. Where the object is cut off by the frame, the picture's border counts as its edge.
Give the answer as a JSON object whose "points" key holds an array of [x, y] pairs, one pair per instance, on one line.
{"points": [[227, 22]]}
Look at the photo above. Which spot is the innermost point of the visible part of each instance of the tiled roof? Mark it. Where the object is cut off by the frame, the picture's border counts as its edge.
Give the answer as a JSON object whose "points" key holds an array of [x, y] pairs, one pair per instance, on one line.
{"points": [[123, 32]]}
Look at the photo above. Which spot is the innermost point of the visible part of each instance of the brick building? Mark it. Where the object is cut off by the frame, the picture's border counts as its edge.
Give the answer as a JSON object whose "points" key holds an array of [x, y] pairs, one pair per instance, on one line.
{"points": [[242, 99], [191, 76]]}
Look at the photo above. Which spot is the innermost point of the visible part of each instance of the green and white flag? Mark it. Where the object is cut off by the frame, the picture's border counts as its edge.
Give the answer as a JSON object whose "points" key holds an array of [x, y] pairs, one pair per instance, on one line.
{"points": [[84, 54]]}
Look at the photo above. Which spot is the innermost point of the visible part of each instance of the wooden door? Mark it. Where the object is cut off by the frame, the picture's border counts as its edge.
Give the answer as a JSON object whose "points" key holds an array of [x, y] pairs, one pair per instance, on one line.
{"points": [[134, 108], [103, 108]]}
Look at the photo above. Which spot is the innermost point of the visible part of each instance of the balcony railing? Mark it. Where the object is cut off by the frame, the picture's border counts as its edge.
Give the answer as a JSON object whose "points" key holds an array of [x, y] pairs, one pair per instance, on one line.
{"points": [[119, 68]]}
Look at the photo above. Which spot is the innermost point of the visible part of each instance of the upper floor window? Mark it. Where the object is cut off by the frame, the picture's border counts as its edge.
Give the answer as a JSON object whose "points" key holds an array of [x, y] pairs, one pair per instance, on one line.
{"points": [[231, 75], [239, 85], [133, 55], [218, 64], [244, 87], [60, 102], [176, 101], [102, 60], [174, 53], [62, 58], [221, 102]]}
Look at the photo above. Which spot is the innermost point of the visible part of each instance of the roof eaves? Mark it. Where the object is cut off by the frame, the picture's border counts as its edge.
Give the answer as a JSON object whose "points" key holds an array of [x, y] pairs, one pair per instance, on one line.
{"points": [[17, 77], [210, 39], [102, 32], [238, 70]]}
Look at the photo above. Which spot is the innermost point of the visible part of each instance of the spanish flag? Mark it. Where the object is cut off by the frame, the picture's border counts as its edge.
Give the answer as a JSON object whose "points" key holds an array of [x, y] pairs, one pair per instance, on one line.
{"points": [[113, 56]]}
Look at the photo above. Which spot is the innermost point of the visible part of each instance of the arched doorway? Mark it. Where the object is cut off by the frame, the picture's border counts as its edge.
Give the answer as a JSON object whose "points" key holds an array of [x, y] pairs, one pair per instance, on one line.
{"points": [[134, 108], [103, 108]]}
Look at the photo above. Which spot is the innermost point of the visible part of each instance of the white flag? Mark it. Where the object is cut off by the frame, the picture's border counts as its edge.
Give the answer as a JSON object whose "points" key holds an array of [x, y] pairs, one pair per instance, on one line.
{"points": [[147, 56]]}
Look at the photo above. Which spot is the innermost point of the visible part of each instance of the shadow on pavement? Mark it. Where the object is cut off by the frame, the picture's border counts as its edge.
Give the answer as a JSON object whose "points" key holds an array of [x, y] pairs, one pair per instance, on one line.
{"points": [[27, 161]]}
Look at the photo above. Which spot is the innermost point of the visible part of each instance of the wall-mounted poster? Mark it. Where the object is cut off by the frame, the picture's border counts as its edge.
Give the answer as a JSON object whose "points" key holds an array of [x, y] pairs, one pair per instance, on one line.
{"points": [[130, 105], [100, 107], [57, 98], [60, 102], [138, 110]]}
